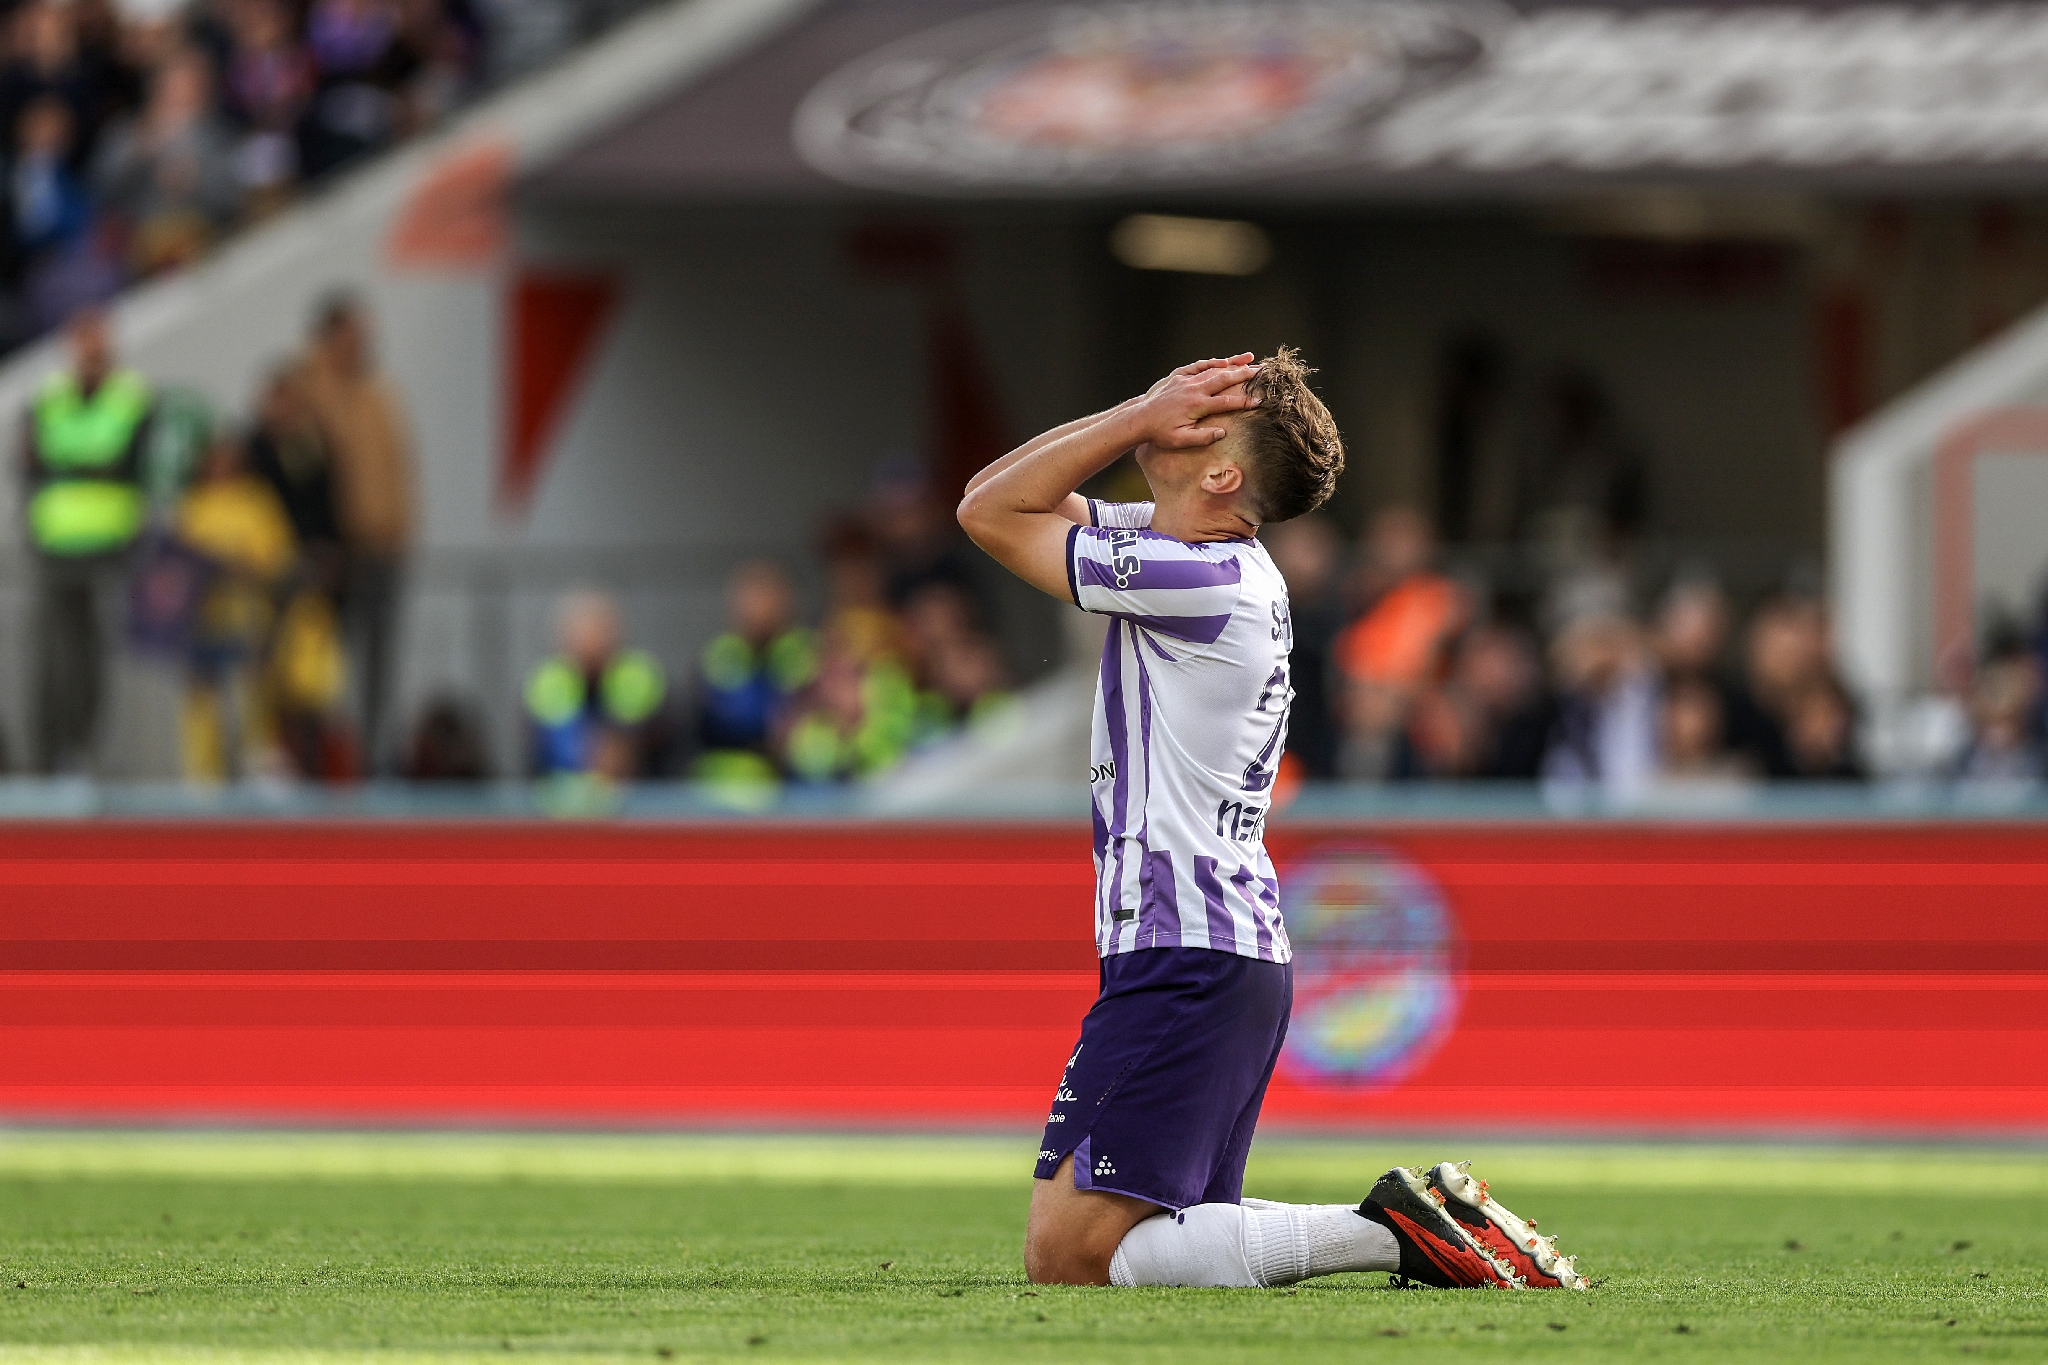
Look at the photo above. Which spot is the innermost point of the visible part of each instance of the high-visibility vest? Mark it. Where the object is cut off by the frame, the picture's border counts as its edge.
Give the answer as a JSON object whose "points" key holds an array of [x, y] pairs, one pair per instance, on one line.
{"points": [[84, 457], [631, 689]]}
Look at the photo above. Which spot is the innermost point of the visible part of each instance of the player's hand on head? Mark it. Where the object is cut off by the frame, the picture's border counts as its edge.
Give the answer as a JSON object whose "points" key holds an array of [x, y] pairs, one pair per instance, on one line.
{"points": [[1197, 367], [1179, 407]]}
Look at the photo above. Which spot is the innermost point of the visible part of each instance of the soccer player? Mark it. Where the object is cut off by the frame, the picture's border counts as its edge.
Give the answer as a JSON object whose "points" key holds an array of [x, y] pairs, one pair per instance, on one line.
{"points": [[1141, 1170]]}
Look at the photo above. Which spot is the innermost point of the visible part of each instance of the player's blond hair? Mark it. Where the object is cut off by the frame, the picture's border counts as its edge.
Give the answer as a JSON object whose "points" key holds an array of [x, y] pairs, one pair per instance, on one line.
{"points": [[1293, 451]]}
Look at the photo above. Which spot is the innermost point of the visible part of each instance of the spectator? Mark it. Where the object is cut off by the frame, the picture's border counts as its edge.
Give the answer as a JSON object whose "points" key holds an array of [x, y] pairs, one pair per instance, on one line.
{"points": [[1690, 733], [1398, 645], [595, 708], [1413, 612], [113, 79], [1498, 669], [437, 47], [235, 522], [958, 669], [857, 614], [308, 677], [856, 720], [966, 685], [1692, 632], [1608, 715], [1445, 736], [82, 453], [309, 669], [747, 675], [354, 46], [47, 202], [1820, 734], [1307, 551], [1785, 655], [268, 83], [168, 173], [1490, 718], [916, 543], [448, 744], [289, 450], [371, 451], [44, 65], [2003, 700]]}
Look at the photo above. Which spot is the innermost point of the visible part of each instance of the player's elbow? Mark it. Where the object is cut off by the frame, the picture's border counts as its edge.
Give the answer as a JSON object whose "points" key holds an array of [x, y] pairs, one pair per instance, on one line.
{"points": [[976, 515]]}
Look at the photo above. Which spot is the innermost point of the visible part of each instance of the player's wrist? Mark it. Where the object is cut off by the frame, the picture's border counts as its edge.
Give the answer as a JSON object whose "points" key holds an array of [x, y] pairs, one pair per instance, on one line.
{"points": [[1145, 418]]}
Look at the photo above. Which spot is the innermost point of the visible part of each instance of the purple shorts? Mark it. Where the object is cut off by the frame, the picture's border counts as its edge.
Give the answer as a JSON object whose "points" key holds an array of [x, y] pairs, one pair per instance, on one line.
{"points": [[1163, 1091]]}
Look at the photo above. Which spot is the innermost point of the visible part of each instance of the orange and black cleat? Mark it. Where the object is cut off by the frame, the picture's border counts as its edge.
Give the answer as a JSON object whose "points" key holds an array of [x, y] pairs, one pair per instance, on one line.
{"points": [[1436, 1249], [1512, 1242]]}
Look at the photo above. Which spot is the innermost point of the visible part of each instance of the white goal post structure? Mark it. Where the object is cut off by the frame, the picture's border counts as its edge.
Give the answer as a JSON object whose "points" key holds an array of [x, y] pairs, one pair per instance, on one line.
{"points": [[1938, 526]]}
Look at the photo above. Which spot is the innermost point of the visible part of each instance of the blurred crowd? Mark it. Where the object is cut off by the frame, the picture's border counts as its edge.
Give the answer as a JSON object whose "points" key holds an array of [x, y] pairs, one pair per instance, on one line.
{"points": [[134, 139], [261, 559], [1404, 671], [900, 658]]}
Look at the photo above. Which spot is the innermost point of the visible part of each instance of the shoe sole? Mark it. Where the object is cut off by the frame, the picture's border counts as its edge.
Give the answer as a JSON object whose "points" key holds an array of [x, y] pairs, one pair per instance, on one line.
{"points": [[1403, 1192], [1456, 1182]]}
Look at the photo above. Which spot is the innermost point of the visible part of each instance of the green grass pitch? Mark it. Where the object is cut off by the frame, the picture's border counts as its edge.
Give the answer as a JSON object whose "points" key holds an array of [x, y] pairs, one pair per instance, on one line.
{"points": [[324, 1248]]}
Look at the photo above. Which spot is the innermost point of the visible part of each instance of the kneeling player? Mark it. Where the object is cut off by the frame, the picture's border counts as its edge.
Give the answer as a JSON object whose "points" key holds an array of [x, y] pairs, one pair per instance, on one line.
{"points": [[1141, 1171]]}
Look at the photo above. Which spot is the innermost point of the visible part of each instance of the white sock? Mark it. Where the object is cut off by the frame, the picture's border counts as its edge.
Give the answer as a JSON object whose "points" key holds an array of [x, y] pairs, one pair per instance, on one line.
{"points": [[1258, 1243]]}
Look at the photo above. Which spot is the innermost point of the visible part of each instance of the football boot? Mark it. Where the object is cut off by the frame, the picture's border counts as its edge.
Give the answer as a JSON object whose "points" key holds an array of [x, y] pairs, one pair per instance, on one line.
{"points": [[1510, 1240], [1436, 1249]]}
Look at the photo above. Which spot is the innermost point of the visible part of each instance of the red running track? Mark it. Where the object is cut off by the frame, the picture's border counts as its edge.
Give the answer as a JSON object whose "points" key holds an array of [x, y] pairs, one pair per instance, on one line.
{"points": [[1883, 979]]}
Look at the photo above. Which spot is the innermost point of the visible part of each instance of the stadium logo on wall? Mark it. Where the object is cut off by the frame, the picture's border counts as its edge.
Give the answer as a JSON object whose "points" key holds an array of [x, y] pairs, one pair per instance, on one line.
{"points": [[1163, 93], [1376, 967]]}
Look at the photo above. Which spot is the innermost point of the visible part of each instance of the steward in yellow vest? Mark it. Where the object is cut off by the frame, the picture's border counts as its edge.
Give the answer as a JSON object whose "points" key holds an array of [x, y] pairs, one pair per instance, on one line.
{"points": [[82, 453], [84, 464]]}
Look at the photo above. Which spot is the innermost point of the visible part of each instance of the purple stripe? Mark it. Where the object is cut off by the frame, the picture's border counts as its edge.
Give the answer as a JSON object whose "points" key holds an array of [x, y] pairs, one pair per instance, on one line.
{"points": [[1157, 648], [1158, 901], [1222, 929], [1161, 573], [1115, 893], [1199, 630], [1270, 889], [1144, 733], [1242, 879], [1113, 719], [1101, 833], [1073, 544]]}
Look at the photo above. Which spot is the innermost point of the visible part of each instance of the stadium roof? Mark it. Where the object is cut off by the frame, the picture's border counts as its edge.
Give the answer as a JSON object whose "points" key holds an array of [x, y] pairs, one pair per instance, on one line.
{"points": [[1341, 99]]}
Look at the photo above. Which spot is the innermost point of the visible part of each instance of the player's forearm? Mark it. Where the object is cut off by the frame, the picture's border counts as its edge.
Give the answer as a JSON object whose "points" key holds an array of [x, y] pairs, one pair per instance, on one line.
{"points": [[1074, 507], [1022, 514], [1041, 480]]}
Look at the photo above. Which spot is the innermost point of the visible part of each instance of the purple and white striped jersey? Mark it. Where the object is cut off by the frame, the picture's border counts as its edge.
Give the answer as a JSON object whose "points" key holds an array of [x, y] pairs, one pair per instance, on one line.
{"points": [[1190, 721]]}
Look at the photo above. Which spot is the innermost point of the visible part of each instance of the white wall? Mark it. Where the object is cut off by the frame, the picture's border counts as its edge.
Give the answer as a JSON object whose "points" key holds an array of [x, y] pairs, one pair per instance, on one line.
{"points": [[1881, 508]]}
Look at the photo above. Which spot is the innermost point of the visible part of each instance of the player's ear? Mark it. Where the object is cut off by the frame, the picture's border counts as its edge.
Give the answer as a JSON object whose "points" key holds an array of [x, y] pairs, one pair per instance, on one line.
{"points": [[1223, 479]]}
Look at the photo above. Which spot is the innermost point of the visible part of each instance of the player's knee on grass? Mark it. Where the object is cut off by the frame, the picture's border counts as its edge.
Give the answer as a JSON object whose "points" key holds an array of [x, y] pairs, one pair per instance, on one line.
{"points": [[1072, 1234]]}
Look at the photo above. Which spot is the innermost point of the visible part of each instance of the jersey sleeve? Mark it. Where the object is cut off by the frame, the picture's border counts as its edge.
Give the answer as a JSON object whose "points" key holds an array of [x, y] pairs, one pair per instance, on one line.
{"points": [[1186, 591], [1137, 515]]}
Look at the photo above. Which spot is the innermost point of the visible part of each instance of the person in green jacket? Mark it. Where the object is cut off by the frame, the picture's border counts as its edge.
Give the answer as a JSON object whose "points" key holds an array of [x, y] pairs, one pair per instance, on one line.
{"points": [[85, 505]]}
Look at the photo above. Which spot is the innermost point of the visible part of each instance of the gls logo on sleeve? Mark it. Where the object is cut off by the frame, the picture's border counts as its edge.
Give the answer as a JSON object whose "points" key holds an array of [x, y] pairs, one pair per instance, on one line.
{"points": [[1123, 557]]}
